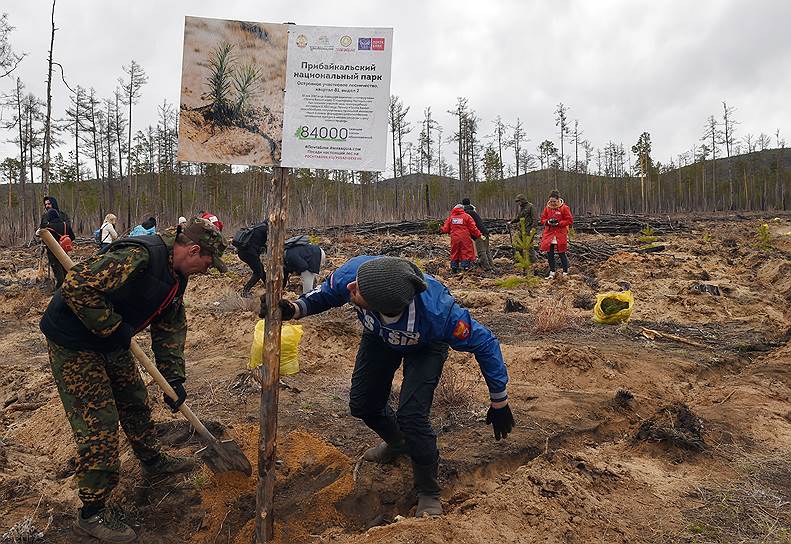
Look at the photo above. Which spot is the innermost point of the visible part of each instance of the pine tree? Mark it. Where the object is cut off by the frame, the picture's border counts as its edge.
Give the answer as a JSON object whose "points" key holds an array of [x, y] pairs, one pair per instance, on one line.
{"points": [[523, 246]]}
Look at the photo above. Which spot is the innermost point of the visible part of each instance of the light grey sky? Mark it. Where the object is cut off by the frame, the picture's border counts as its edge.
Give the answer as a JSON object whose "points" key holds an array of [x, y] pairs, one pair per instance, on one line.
{"points": [[622, 67]]}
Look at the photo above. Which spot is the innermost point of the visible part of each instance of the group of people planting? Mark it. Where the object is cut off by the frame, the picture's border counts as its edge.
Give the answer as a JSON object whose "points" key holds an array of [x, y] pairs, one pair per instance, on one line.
{"points": [[469, 236], [134, 283]]}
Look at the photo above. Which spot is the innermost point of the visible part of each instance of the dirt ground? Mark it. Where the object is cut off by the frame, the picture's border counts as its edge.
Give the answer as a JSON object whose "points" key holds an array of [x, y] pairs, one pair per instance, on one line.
{"points": [[674, 427]]}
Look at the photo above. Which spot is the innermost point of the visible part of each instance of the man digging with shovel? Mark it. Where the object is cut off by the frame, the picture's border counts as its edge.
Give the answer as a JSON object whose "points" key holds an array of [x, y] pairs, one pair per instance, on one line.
{"points": [[89, 325], [409, 316]]}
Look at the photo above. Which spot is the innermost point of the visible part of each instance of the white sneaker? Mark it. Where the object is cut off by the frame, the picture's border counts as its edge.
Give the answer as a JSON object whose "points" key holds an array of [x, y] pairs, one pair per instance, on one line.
{"points": [[551, 275]]}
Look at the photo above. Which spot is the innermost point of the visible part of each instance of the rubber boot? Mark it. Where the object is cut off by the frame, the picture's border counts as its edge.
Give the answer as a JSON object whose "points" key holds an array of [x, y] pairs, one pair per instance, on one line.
{"points": [[428, 501], [106, 526], [384, 453]]}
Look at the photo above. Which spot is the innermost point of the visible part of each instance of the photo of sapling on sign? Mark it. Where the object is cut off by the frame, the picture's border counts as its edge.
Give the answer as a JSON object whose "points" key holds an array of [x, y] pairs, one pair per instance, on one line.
{"points": [[337, 95], [232, 92]]}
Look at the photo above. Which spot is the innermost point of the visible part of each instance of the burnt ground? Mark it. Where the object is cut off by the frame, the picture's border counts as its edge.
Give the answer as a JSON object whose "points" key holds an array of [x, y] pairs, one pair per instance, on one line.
{"points": [[671, 428]]}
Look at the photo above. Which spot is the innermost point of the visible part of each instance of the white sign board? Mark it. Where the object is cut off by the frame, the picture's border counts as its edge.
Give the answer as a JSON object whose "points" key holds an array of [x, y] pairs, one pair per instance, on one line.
{"points": [[337, 98]]}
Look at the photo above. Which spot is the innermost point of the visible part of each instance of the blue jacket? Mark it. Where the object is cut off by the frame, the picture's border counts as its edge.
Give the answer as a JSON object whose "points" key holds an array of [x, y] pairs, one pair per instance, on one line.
{"points": [[140, 231], [433, 316]]}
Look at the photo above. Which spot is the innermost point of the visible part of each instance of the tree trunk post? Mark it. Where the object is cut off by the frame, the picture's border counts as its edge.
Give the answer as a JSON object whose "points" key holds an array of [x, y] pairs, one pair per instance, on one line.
{"points": [[270, 370]]}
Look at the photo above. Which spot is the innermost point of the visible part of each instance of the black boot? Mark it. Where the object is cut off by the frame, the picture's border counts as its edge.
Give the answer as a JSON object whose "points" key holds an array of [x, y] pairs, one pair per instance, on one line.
{"points": [[428, 501]]}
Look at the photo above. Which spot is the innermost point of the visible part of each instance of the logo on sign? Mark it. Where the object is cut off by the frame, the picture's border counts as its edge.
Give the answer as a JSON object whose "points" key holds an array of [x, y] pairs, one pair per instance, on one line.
{"points": [[378, 44], [364, 44], [302, 40], [346, 41]]}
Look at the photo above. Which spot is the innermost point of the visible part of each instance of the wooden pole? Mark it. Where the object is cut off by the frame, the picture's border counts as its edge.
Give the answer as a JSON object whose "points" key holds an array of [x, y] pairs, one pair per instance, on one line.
{"points": [[270, 370]]}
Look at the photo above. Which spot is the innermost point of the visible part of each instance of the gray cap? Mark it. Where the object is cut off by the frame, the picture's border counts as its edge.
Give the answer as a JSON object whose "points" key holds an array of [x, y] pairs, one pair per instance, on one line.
{"points": [[388, 284]]}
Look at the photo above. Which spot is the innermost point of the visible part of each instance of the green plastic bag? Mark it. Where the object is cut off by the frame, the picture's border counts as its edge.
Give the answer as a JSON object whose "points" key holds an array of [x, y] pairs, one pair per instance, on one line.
{"points": [[290, 336]]}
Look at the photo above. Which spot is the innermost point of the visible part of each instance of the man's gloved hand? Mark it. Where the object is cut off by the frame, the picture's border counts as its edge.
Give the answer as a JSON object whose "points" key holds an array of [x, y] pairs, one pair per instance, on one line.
{"points": [[286, 308], [122, 336], [554, 222], [178, 386], [502, 420]]}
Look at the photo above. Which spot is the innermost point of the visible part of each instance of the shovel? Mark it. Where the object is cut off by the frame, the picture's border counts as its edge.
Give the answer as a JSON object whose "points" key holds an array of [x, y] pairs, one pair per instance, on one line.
{"points": [[219, 455]]}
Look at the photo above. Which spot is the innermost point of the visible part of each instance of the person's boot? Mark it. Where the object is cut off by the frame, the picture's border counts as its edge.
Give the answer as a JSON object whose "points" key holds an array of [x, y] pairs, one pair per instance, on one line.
{"points": [[428, 501], [384, 453], [107, 525], [167, 464]]}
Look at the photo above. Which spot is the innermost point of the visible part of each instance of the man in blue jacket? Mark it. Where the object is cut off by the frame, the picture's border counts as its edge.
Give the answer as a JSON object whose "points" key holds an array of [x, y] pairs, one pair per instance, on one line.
{"points": [[409, 316]]}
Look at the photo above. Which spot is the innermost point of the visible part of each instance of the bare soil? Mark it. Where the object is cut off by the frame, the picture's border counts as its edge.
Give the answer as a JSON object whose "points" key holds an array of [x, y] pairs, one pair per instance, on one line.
{"points": [[622, 435]]}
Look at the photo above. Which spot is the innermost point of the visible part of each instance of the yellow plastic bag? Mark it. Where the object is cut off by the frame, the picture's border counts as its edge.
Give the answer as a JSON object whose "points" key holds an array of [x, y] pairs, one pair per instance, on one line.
{"points": [[610, 308], [290, 336]]}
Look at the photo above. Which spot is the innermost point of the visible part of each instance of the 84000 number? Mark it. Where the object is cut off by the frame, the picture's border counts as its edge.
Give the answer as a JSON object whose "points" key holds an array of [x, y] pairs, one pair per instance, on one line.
{"points": [[323, 133]]}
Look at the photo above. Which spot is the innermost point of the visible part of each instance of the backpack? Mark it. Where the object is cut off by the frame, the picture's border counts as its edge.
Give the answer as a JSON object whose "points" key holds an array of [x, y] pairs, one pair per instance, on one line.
{"points": [[242, 237], [65, 241], [301, 240], [97, 236]]}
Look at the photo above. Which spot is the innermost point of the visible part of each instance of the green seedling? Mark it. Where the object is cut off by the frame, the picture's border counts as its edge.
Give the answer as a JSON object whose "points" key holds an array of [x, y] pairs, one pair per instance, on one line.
{"points": [[515, 281], [523, 243]]}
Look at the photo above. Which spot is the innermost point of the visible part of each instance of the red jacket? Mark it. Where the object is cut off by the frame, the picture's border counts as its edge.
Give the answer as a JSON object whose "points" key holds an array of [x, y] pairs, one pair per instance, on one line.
{"points": [[561, 231], [462, 229], [213, 218]]}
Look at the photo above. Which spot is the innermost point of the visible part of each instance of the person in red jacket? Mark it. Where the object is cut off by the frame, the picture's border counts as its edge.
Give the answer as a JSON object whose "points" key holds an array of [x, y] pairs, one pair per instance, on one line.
{"points": [[556, 219], [462, 231], [211, 217]]}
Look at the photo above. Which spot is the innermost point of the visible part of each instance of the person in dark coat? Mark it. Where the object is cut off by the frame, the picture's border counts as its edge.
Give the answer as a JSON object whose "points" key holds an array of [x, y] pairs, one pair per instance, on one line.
{"points": [[250, 254], [58, 223], [481, 243], [525, 212], [305, 260]]}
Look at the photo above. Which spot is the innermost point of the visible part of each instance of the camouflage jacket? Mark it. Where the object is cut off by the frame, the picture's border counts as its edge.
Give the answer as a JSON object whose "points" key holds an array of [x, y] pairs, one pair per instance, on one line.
{"points": [[86, 291], [526, 211]]}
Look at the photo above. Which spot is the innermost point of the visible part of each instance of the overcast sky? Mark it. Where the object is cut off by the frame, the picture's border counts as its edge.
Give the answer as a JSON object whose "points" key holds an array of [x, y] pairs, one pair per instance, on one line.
{"points": [[622, 67]]}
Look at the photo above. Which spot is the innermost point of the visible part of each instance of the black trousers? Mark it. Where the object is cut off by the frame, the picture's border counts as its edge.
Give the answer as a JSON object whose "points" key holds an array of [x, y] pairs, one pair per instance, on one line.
{"points": [[372, 380], [564, 261], [252, 260], [57, 269]]}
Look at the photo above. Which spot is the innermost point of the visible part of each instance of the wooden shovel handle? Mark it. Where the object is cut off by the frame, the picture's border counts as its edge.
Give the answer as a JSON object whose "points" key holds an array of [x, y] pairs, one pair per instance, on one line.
{"points": [[137, 351]]}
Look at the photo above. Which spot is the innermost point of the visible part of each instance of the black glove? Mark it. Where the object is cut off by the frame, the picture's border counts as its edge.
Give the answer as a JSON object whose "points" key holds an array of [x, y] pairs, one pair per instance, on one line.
{"points": [[287, 309], [122, 336], [178, 387], [502, 420], [553, 222]]}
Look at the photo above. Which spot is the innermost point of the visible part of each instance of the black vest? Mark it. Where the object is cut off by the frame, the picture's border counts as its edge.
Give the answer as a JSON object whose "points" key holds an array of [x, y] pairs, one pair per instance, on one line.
{"points": [[141, 299]]}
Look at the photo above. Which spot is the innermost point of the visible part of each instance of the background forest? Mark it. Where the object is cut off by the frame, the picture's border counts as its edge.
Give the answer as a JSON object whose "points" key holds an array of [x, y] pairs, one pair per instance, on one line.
{"points": [[94, 158]]}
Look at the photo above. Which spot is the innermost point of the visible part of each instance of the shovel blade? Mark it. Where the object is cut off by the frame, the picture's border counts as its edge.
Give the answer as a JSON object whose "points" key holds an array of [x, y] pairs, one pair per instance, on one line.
{"points": [[225, 456]]}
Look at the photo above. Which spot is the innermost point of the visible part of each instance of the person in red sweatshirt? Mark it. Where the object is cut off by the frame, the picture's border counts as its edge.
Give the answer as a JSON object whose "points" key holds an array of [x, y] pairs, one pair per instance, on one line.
{"points": [[556, 219], [211, 217], [462, 231]]}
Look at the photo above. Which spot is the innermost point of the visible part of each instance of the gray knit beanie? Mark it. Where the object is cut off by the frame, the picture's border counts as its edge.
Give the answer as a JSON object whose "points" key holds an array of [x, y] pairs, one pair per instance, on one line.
{"points": [[388, 284]]}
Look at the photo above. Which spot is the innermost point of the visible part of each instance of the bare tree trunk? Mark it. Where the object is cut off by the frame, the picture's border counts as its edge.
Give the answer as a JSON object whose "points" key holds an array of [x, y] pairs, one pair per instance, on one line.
{"points": [[48, 122], [22, 158], [270, 371]]}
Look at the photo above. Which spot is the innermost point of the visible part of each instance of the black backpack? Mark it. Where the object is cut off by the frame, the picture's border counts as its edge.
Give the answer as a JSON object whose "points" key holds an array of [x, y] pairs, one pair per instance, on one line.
{"points": [[242, 237], [301, 240]]}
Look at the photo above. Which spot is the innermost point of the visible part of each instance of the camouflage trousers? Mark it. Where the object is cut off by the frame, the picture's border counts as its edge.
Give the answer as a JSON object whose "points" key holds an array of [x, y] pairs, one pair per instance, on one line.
{"points": [[98, 390]]}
